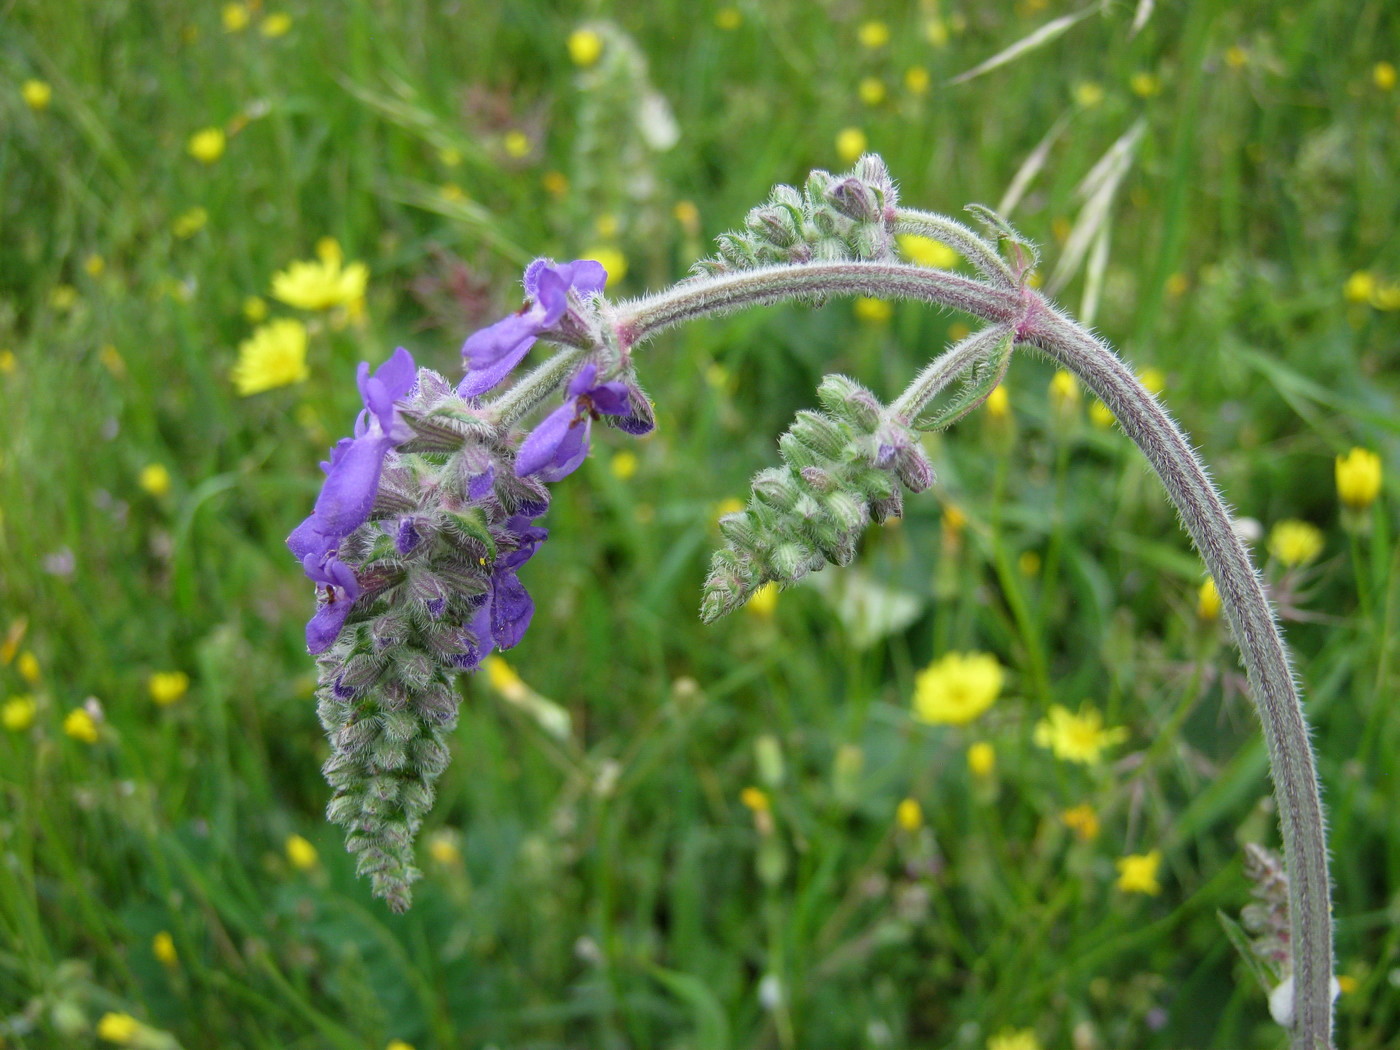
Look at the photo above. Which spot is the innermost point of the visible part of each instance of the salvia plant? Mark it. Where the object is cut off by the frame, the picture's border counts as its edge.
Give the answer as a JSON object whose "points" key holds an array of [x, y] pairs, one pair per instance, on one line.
{"points": [[429, 512]]}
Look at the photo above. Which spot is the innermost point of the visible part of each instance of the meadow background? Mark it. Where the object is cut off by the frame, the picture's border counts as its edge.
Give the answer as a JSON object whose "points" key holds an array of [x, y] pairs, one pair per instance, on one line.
{"points": [[655, 834]]}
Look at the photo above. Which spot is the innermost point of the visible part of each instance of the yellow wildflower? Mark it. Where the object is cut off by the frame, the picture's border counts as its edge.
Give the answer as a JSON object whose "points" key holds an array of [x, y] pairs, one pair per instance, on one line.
{"points": [[916, 80], [982, 759], [1208, 601], [764, 600], [729, 18], [1008, 1039], [81, 726], [555, 183], [14, 635], [925, 251], [873, 34], [1144, 84], [188, 223], [998, 403], [936, 32], [163, 948], [155, 479], [36, 94], [443, 848], [1088, 94], [28, 667], [1137, 872], [850, 144], [398, 1044], [623, 464], [18, 713], [1029, 563], [1236, 57], [1386, 296], [1347, 984], [1295, 542], [1077, 737], [1177, 285], [1064, 391], [8, 362], [1101, 415], [1358, 478], [954, 519], [731, 505], [121, 1029], [957, 330], [957, 689], [235, 17], [606, 226], [688, 215], [273, 356], [300, 853], [94, 265], [276, 25], [1383, 75], [871, 91], [612, 260], [63, 297], [873, 311], [1083, 821], [756, 799], [1154, 379], [909, 815], [112, 360], [585, 47], [321, 285], [207, 145], [516, 143], [168, 686], [255, 309], [1359, 287]]}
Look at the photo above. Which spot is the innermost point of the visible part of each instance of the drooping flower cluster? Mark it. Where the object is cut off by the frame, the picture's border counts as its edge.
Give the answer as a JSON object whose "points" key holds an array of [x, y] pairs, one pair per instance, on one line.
{"points": [[415, 543], [843, 469]]}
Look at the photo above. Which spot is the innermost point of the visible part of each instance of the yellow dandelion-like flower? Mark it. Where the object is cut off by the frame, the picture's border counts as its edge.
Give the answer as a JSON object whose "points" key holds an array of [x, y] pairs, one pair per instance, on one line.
{"points": [[871, 91], [1360, 286], [81, 726], [917, 80], [188, 223], [623, 464], [398, 1044], [1154, 379], [1144, 84], [954, 518], [94, 265], [450, 191], [1208, 601], [756, 799], [300, 853], [612, 260], [207, 145], [982, 759], [502, 678], [1029, 563], [1064, 391], [443, 848], [731, 505], [321, 285], [585, 47], [1088, 95], [873, 34], [729, 18], [14, 634], [998, 403], [936, 32], [166, 687], [957, 330], [1137, 872], [36, 94], [850, 144], [273, 356], [112, 360], [276, 25], [18, 713], [235, 18], [121, 1029], [1078, 737], [1101, 415], [516, 143], [63, 297], [1386, 296], [606, 226], [688, 215], [1177, 285], [154, 478], [1295, 542], [8, 362], [555, 183], [1083, 821], [255, 309], [1236, 57], [956, 689], [1383, 75], [163, 948], [28, 667], [1014, 1039], [909, 815], [873, 311], [1347, 984], [925, 251], [764, 601], [1358, 478]]}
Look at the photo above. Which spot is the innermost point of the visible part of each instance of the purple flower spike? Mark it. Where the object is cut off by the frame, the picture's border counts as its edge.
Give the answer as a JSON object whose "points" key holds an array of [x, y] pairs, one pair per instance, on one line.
{"points": [[557, 447], [491, 353]]}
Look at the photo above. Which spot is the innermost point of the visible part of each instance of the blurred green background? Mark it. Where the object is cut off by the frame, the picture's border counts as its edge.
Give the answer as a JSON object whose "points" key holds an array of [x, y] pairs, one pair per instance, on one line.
{"points": [[739, 836]]}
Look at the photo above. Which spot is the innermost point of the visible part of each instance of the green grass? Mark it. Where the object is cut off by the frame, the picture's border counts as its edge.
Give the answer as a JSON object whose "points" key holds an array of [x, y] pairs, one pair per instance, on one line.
{"points": [[611, 889]]}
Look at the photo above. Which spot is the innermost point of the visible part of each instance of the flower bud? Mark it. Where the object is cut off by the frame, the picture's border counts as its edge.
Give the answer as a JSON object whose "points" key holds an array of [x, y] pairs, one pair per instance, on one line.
{"points": [[856, 200]]}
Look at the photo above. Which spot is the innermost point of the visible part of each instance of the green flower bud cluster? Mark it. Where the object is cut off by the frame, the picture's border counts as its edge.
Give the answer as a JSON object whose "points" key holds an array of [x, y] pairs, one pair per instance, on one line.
{"points": [[833, 218], [842, 470]]}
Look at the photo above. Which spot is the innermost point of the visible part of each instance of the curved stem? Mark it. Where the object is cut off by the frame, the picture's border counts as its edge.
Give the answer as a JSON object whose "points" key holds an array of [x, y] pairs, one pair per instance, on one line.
{"points": [[1261, 648], [535, 387], [958, 237]]}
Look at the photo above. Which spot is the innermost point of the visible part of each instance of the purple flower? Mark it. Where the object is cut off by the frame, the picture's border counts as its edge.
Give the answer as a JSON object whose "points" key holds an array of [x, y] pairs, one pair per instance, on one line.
{"points": [[352, 472], [341, 590], [503, 616], [556, 447], [492, 352]]}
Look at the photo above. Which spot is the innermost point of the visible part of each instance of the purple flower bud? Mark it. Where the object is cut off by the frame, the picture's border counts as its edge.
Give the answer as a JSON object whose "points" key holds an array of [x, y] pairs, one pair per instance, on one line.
{"points": [[556, 448]]}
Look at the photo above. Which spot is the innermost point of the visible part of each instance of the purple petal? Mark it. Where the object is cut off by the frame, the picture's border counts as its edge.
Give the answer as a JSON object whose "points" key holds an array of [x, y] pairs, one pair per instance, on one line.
{"points": [[311, 539], [570, 453], [480, 486], [325, 626], [528, 539], [407, 537], [348, 494], [583, 380], [553, 297], [398, 373], [609, 399], [532, 276], [540, 447], [585, 276], [511, 609], [639, 419], [509, 337]]}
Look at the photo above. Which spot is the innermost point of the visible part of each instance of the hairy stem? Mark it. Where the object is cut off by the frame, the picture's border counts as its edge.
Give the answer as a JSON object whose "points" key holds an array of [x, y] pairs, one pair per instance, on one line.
{"points": [[1261, 648], [516, 402]]}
